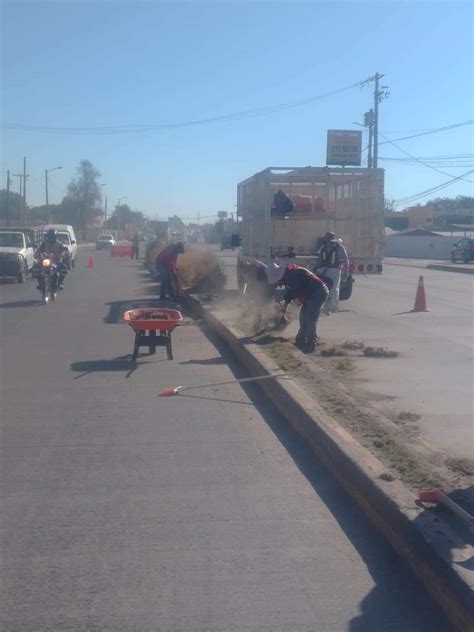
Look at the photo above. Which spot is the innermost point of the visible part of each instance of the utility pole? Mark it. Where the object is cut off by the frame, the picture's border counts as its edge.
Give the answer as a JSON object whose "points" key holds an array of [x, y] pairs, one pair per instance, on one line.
{"points": [[369, 122], [24, 191], [46, 185], [19, 175], [8, 198], [376, 119], [105, 211], [380, 93]]}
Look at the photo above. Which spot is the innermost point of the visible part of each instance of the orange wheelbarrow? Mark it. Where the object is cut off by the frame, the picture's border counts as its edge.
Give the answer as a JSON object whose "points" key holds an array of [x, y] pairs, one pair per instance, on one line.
{"points": [[159, 322]]}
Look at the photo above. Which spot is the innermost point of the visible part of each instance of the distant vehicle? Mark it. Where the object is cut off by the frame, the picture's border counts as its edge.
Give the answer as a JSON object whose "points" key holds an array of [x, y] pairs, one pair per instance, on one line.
{"points": [[66, 236], [105, 241], [230, 242], [463, 250], [16, 253]]}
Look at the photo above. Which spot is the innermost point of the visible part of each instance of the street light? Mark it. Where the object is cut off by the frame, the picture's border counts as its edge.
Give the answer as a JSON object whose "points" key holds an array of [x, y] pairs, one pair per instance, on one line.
{"points": [[105, 205], [46, 171]]}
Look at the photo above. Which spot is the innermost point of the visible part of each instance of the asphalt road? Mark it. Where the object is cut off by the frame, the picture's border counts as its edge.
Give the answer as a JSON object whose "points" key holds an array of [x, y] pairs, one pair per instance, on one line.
{"points": [[125, 512]]}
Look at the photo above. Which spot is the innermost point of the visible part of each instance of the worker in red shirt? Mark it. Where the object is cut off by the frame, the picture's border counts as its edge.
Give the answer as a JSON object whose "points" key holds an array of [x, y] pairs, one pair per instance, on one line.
{"points": [[165, 265], [308, 289]]}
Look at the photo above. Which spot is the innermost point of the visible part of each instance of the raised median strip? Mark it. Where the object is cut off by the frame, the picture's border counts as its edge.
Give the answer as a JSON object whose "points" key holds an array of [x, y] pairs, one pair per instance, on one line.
{"points": [[451, 268], [443, 266], [419, 536]]}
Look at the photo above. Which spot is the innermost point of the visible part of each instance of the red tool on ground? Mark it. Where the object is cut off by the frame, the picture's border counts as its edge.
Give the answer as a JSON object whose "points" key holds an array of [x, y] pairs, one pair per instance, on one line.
{"points": [[90, 262], [420, 298], [169, 391], [436, 497]]}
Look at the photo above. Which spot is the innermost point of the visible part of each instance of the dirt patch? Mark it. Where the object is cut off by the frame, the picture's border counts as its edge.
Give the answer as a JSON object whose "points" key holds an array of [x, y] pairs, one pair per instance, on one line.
{"points": [[333, 350], [344, 365], [463, 467], [407, 417], [353, 345], [280, 350], [393, 441], [380, 352]]}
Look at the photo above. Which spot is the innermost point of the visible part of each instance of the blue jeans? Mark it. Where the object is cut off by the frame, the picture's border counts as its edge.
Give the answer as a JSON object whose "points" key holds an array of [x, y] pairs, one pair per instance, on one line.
{"points": [[309, 315], [166, 288]]}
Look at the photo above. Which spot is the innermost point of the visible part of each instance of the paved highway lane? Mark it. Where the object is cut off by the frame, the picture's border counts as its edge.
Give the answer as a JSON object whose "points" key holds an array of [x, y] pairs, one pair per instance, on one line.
{"points": [[124, 512]]}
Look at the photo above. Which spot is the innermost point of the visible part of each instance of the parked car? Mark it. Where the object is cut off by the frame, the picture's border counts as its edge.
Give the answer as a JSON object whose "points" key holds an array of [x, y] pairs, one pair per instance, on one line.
{"points": [[66, 236], [105, 241], [463, 250], [16, 253]]}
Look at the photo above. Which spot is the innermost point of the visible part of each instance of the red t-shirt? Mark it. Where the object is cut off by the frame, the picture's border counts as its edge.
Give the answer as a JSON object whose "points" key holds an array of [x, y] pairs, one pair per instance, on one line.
{"points": [[168, 257]]}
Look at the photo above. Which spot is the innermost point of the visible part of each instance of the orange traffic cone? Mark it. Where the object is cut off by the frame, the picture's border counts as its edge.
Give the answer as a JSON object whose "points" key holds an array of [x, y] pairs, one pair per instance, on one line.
{"points": [[90, 262], [420, 298]]}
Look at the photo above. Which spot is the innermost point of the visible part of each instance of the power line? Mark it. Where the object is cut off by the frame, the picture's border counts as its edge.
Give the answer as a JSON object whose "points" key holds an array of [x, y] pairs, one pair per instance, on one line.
{"points": [[425, 164], [415, 163], [433, 131], [434, 158], [421, 194], [132, 129]]}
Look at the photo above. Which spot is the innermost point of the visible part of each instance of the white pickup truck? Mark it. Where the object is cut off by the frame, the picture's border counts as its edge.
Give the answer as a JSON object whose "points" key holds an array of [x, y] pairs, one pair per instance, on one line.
{"points": [[16, 253]]}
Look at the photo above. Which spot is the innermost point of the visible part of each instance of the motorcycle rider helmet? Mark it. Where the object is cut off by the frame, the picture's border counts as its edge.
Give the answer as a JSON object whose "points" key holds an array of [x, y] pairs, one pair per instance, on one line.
{"points": [[51, 236]]}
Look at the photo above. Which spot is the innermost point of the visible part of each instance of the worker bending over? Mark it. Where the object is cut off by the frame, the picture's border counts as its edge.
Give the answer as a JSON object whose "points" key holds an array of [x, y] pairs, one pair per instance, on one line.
{"points": [[165, 265], [308, 289]]}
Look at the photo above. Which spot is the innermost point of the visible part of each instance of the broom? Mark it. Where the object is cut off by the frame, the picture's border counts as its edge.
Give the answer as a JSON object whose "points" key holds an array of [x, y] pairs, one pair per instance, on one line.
{"points": [[169, 391]]}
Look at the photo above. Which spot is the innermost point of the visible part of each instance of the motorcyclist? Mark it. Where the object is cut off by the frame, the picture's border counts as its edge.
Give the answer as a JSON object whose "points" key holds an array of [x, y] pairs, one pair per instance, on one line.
{"points": [[53, 248]]}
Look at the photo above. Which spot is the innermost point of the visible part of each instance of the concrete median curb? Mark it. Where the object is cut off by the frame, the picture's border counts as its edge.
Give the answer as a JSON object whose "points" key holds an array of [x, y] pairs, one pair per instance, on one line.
{"points": [[445, 267], [389, 505], [450, 268]]}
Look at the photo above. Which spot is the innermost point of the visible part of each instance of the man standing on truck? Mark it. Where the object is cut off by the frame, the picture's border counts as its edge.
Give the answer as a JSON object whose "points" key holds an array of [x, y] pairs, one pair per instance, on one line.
{"points": [[333, 263], [307, 288], [165, 265]]}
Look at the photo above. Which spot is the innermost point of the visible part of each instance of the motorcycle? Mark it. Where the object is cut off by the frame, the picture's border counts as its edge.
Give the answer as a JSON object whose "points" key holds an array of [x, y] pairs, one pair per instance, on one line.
{"points": [[47, 272]]}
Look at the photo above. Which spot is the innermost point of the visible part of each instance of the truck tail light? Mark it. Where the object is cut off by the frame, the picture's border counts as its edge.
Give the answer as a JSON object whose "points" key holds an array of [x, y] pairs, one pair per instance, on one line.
{"points": [[360, 267], [351, 267]]}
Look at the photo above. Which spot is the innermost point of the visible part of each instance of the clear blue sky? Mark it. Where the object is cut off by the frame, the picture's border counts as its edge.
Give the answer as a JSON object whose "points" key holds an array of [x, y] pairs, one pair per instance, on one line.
{"points": [[107, 63]]}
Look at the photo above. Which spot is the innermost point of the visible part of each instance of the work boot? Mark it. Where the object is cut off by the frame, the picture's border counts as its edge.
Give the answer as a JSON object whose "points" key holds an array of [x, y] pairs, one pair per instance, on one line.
{"points": [[309, 347], [300, 343]]}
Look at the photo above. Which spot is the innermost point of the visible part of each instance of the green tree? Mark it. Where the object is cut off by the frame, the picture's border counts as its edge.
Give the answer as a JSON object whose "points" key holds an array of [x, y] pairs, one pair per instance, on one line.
{"points": [[84, 194], [14, 207], [123, 215]]}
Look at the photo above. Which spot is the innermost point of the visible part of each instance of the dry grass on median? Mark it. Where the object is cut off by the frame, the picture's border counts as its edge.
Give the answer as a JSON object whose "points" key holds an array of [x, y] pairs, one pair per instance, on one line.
{"points": [[199, 270], [380, 352]]}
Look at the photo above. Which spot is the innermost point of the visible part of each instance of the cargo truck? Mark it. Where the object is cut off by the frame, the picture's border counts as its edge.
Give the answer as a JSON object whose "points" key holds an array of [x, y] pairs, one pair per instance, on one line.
{"points": [[289, 209]]}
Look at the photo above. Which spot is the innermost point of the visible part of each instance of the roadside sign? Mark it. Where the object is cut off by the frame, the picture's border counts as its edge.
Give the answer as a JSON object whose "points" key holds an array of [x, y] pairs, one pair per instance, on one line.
{"points": [[222, 214], [344, 147]]}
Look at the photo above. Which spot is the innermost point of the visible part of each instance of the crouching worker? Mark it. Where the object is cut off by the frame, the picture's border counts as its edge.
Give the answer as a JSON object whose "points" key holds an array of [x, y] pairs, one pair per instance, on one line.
{"points": [[307, 288]]}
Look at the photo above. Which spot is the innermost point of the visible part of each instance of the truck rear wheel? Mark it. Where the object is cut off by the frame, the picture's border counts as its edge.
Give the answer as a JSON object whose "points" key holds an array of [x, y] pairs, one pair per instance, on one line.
{"points": [[23, 272]]}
